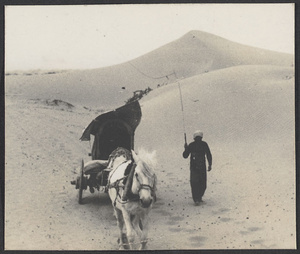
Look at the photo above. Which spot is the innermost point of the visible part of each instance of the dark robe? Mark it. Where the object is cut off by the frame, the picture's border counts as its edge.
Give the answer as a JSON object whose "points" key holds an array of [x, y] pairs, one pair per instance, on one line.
{"points": [[198, 150]]}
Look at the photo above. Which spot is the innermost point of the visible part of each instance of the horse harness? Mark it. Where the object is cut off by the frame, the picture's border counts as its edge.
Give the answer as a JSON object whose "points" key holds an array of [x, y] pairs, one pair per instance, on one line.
{"points": [[125, 183], [121, 183]]}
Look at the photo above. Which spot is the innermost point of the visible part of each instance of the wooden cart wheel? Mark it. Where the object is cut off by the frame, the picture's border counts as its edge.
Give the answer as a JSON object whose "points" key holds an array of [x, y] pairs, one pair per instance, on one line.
{"points": [[81, 181]]}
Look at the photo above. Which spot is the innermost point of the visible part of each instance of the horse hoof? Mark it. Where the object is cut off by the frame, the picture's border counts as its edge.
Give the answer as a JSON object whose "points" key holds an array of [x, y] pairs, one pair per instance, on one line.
{"points": [[124, 246], [143, 246]]}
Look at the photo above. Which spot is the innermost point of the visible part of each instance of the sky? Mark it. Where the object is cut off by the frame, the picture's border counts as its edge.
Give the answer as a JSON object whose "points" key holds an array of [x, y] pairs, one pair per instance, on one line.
{"points": [[95, 36]]}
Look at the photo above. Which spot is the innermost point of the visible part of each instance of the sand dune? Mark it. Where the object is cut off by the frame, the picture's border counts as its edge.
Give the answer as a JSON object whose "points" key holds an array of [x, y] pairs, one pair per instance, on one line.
{"points": [[194, 53], [241, 97], [203, 52], [248, 100]]}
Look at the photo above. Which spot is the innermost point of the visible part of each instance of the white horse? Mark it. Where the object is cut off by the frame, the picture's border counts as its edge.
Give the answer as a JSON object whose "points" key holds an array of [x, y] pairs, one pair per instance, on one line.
{"points": [[133, 200]]}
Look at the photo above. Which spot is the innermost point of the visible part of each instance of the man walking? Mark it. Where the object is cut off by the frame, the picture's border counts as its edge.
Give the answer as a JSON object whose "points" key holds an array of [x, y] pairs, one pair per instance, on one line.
{"points": [[198, 150]]}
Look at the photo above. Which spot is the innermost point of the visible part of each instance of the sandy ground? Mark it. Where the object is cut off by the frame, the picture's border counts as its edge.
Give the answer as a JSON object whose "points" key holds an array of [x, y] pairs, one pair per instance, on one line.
{"points": [[246, 113], [249, 202]]}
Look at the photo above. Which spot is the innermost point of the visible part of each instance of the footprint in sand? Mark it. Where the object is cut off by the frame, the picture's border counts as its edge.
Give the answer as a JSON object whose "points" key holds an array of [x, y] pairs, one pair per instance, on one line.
{"points": [[249, 230], [244, 232], [175, 229], [174, 219], [163, 213], [222, 210], [257, 242], [253, 229], [197, 241], [158, 204], [225, 219]]}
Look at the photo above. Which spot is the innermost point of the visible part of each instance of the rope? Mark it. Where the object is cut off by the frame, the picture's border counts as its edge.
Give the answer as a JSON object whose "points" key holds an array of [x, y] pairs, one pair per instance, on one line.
{"points": [[129, 62], [148, 76]]}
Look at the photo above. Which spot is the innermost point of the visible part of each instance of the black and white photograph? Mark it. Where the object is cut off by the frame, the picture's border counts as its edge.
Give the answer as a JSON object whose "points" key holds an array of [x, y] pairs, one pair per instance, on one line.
{"points": [[150, 127]]}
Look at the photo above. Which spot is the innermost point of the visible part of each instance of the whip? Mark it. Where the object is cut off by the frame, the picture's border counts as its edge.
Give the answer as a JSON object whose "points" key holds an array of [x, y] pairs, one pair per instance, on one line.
{"points": [[183, 121]]}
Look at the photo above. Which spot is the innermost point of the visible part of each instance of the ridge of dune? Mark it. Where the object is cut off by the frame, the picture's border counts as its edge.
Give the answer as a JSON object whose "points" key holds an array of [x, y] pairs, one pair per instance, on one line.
{"points": [[204, 52], [109, 87]]}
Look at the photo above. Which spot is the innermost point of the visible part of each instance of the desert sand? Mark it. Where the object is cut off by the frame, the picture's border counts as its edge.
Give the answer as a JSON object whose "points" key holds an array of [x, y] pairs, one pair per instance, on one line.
{"points": [[242, 98]]}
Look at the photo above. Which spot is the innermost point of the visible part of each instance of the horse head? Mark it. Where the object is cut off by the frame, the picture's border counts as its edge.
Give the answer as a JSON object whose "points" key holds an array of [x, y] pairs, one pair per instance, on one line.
{"points": [[144, 181]]}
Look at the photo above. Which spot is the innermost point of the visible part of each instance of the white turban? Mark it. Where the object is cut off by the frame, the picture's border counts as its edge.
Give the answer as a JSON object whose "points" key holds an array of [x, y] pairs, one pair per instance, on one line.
{"points": [[198, 134]]}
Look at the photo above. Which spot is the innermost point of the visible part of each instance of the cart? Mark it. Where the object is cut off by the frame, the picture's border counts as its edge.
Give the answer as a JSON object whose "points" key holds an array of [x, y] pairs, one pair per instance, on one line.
{"points": [[111, 130]]}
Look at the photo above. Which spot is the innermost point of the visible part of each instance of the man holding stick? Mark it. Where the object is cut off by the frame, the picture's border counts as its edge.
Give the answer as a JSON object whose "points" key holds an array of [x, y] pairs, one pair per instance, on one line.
{"points": [[198, 150]]}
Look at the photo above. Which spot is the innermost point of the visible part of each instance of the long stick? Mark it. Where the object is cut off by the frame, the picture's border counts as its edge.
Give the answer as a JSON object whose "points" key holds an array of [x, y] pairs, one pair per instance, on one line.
{"points": [[182, 110]]}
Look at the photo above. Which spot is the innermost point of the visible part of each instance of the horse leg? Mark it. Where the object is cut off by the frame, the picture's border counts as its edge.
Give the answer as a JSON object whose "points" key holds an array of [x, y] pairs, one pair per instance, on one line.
{"points": [[144, 232], [122, 238], [129, 228], [136, 225]]}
